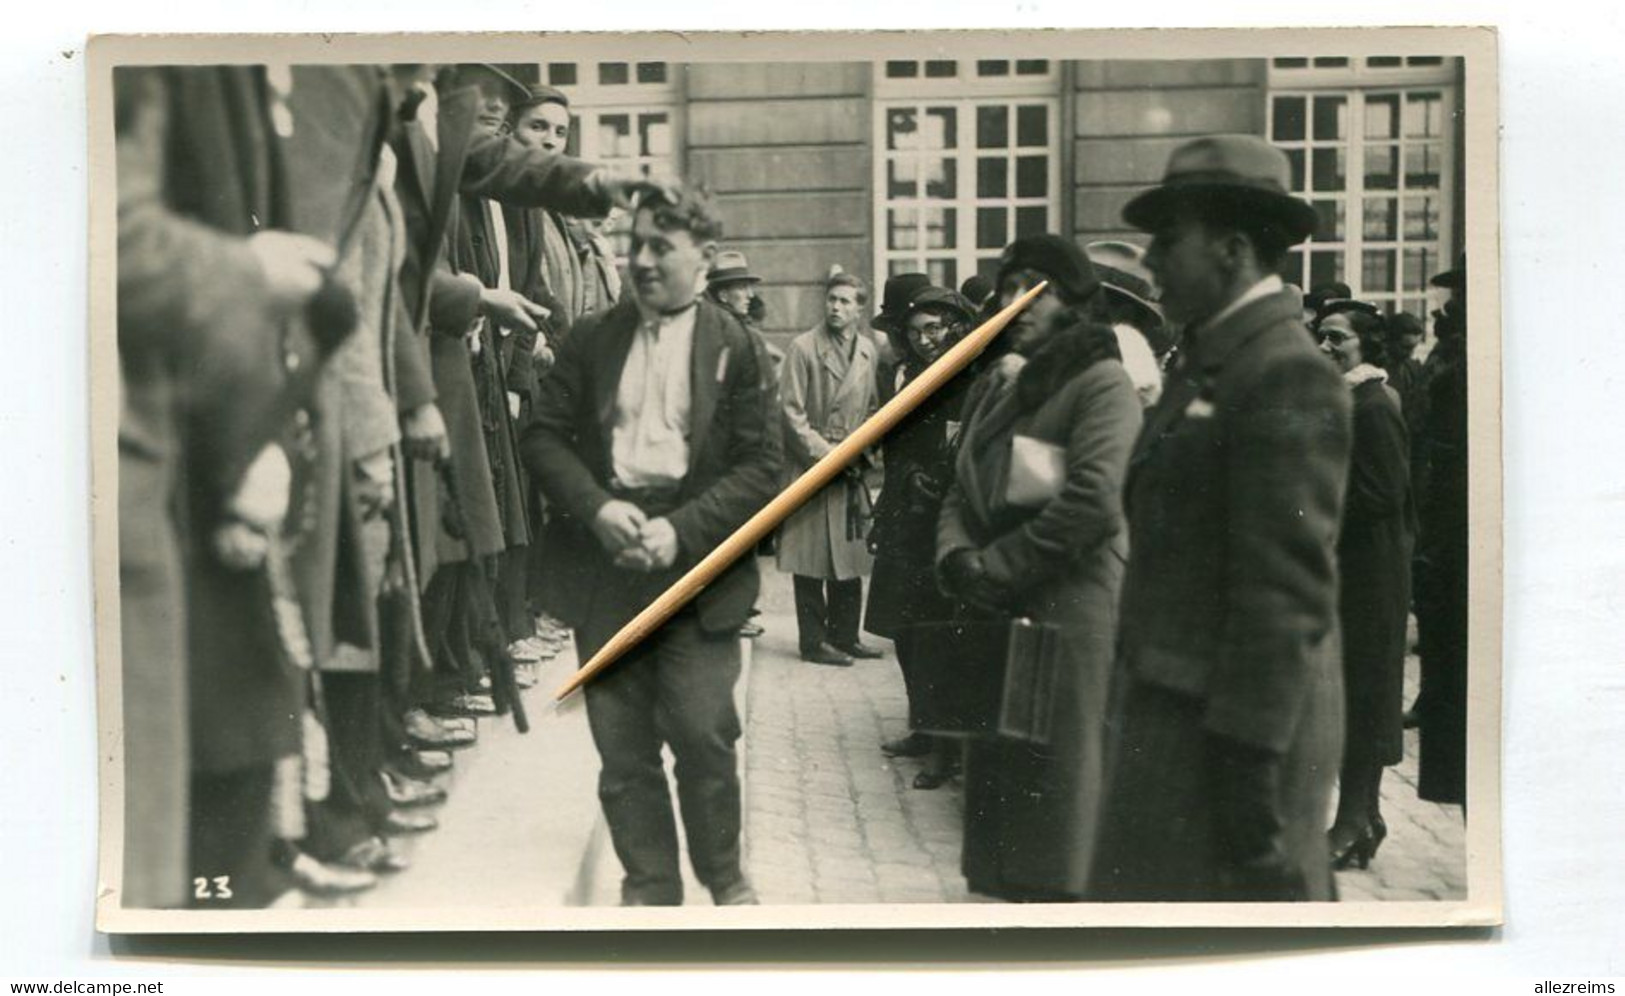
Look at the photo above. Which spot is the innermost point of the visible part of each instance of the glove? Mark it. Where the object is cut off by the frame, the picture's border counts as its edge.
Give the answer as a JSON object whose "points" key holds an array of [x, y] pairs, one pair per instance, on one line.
{"points": [[1249, 832], [963, 570]]}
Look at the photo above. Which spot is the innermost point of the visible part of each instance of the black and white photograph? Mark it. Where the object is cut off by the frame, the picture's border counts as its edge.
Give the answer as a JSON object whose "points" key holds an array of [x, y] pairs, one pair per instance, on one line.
{"points": [[425, 368]]}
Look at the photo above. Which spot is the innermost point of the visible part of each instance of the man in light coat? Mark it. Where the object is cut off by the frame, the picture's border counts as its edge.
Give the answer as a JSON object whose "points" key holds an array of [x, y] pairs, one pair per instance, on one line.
{"points": [[828, 386]]}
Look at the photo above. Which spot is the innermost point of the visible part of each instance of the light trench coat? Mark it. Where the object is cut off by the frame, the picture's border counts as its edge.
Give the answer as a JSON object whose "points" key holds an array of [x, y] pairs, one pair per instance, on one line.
{"points": [[825, 396]]}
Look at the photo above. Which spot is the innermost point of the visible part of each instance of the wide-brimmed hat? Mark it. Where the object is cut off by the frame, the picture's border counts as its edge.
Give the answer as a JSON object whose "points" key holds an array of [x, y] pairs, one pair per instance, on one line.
{"points": [[541, 93], [894, 298], [1062, 263], [518, 92], [731, 268], [1240, 170], [1122, 271]]}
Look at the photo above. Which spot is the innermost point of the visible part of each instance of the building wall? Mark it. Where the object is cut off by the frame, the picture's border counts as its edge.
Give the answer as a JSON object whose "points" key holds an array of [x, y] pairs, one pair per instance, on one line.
{"points": [[784, 149], [1127, 116]]}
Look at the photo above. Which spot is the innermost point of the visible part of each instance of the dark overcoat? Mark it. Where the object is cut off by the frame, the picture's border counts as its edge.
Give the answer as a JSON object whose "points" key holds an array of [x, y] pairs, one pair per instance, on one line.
{"points": [[1374, 570], [1442, 582], [918, 460], [1031, 814], [1229, 614], [733, 470]]}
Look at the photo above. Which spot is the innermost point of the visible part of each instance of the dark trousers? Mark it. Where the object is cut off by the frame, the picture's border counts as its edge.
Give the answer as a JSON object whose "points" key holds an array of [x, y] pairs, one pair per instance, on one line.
{"points": [[513, 594], [676, 688], [356, 804], [828, 611], [230, 830]]}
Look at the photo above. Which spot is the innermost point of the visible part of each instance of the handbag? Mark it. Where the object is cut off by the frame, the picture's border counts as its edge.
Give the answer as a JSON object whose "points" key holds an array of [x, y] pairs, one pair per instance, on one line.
{"points": [[1037, 472], [988, 677]]}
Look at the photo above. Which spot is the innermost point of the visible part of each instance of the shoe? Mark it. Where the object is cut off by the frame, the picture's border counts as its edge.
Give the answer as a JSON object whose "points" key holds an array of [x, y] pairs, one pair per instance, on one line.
{"points": [[927, 780], [408, 793], [860, 651], [525, 675], [319, 879], [375, 854], [751, 631], [1356, 849], [532, 649], [398, 824], [913, 745], [738, 894], [1412, 719], [826, 654], [424, 731], [421, 764], [466, 704]]}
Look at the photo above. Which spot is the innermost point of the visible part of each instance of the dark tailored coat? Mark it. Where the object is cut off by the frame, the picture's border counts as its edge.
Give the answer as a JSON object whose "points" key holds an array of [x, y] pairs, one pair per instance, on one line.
{"points": [[1441, 581], [1031, 814], [188, 294], [504, 360], [1229, 612], [918, 460], [1374, 572], [333, 165], [224, 170], [733, 459], [432, 173]]}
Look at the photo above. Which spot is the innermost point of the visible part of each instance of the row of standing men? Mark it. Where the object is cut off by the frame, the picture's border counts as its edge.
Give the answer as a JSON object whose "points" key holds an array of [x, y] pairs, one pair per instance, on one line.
{"points": [[338, 287]]}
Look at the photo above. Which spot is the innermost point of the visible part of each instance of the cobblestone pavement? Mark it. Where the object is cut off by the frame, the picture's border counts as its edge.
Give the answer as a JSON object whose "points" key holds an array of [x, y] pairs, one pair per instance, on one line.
{"points": [[829, 819]]}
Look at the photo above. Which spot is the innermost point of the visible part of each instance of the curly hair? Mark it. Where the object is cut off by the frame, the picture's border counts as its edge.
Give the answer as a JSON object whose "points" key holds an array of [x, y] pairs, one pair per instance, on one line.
{"points": [[690, 210]]}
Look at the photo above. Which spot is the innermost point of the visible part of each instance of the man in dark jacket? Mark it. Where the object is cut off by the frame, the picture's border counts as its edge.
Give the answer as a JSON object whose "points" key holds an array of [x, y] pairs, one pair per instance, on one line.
{"points": [[648, 438], [1231, 720]]}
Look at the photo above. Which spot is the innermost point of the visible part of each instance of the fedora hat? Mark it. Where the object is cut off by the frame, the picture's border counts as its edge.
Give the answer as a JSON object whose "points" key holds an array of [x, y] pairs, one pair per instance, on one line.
{"points": [[1456, 279], [1122, 271], [731, 267], [464, 73], [894, 298], [541, 93], [1240, 170]]}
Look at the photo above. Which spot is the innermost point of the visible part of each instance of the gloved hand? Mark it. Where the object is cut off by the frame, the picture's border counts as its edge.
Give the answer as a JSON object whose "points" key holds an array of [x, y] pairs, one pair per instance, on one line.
{"points": [[1249, 831], [964, 576]]}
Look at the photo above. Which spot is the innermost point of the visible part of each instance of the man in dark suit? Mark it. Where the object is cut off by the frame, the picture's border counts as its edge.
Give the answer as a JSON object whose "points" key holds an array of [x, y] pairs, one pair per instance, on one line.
{"points": [[649, 439], [1230, 721]]}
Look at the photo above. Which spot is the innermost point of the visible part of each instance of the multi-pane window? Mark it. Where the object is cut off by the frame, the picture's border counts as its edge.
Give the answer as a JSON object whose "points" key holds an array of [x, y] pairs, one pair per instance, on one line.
{"points": [[1375, 164], [960, 181], [967, 162], [624, 112]]}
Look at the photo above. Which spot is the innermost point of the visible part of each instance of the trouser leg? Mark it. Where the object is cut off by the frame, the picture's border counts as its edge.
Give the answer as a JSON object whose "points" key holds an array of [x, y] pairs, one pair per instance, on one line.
{"points": [[845, 610], [621, 712], [230, 829], [357, 804], [811, 612], [697, 675]]}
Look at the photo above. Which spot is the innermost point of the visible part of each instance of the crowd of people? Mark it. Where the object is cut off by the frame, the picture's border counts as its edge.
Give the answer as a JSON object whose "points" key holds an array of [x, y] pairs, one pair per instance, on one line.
{"points": [[393, 433]]}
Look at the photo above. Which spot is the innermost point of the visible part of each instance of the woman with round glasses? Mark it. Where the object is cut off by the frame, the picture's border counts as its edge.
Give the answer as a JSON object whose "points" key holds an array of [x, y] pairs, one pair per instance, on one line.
{"points": [[919, 461], [1374, 564]]}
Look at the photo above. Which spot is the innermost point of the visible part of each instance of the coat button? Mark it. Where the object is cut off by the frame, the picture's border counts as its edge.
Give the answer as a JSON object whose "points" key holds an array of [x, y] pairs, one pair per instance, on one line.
{"points": [[291, 361]]}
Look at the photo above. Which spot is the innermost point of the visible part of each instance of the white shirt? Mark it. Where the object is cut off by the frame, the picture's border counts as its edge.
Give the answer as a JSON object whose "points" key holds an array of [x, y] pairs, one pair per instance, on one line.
{"points": [[1264, 288], [1140, 362], [649, 435]]}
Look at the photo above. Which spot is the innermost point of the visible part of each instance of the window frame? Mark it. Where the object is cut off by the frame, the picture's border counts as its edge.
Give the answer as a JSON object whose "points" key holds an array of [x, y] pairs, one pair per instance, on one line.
{"points": [[1357, 85], [965, 95]]}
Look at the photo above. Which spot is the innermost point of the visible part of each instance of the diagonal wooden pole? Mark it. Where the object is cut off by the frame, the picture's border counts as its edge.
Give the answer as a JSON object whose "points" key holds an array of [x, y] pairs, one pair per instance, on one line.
{"points": [[746, 537]]}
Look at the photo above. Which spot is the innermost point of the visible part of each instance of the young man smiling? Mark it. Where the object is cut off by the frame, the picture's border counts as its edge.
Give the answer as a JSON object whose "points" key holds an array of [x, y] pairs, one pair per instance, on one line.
{"points": [[648, 438]]}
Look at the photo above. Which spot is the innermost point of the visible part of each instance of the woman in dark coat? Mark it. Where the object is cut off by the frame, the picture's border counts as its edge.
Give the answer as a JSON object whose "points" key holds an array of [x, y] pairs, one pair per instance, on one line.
{"points": [[1374, 561], [1054, 555], [919, 458]]}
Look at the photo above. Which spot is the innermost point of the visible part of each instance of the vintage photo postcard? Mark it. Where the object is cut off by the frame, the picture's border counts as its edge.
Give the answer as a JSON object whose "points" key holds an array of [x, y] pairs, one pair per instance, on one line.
{"points": [[421, 365]]}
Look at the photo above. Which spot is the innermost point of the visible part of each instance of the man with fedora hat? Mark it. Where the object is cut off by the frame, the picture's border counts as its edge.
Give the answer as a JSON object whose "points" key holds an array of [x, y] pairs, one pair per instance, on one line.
{"points": [[1230, 722]]}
